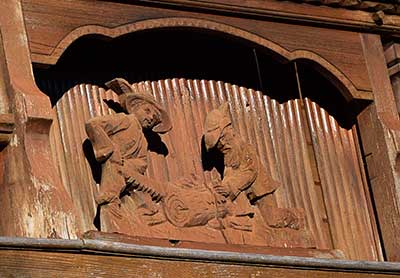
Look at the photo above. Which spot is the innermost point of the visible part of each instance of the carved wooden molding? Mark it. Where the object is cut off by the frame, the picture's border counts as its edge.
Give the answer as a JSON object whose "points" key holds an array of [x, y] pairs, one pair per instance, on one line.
{"points": [[344, 84], [360, 16], [332, 45]]}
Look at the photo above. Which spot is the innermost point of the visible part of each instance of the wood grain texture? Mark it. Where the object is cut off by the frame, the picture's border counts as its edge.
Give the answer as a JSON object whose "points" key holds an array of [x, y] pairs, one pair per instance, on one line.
{"points": [[238, 248], [23, 263], [328, 189], [68, 137], [380, 135], [49, 24], [342, 182], [363, 5], [33, 200], [318, 15]]}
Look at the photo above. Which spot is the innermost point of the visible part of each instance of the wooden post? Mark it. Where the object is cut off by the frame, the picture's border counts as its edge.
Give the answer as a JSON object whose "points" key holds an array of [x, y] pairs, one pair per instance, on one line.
{"points": [[33, 200], [380, 135]]}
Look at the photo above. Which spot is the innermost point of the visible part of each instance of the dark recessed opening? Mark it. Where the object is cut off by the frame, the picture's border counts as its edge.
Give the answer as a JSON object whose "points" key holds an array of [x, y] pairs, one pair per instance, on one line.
{"points": [[162, 54], [326, 95], [192, 54]]}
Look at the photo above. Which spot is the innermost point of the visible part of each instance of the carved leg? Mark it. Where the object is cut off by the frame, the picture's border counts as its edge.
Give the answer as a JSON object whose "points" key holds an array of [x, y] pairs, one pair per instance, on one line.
{"points": [[274, 217]]}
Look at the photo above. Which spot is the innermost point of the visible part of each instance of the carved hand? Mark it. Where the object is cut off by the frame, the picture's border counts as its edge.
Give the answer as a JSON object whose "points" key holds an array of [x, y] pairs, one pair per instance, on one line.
{"points": [[103, 154], [223, 190], [105, 197], [220, 199], [151, 217]]}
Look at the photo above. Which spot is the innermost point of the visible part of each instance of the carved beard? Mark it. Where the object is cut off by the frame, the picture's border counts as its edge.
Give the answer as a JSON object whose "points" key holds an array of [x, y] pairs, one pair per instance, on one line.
{"points": [[232, 155]]}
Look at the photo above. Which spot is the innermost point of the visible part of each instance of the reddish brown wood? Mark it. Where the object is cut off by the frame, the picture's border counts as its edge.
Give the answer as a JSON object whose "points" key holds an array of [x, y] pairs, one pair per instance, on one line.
{"points": [[34, 200], [342, 184], [282, 10], [337, 51], [52, 264], [371, 6], [380, 131], [33, 193], [392, 55], [328, 192], [303, 252]]}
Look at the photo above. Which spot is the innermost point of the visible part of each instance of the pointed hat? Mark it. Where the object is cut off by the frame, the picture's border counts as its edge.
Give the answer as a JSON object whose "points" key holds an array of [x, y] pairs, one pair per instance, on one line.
{"points": [[215, 123]]}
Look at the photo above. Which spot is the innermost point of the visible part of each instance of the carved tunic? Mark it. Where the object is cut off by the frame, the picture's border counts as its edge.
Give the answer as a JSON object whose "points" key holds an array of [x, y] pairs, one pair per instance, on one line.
{"points": [[119, 136], [120, 145], [246, 173]]}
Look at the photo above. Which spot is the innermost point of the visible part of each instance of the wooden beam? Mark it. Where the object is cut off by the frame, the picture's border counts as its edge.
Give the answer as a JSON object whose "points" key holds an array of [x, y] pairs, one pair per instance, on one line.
{"points": [[297, 13], [23, 257]]}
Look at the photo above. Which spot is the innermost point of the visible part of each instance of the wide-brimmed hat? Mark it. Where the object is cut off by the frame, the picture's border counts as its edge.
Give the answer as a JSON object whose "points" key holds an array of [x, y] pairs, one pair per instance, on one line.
{"points": [[215, 123], [127, 96]]}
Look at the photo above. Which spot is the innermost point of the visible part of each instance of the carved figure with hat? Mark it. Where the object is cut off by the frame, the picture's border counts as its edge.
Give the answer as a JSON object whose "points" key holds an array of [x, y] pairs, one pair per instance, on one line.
{"points": [[245, 179], [120, 146]]}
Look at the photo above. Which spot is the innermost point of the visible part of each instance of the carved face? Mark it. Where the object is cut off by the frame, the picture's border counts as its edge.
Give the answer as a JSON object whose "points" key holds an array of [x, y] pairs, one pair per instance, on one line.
{"points": [[226, 140], [147, 114]]}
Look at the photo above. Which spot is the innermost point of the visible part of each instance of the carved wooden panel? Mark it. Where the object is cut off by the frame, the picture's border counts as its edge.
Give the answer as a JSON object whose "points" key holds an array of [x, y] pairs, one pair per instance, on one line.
{"points": [[317, 165]]}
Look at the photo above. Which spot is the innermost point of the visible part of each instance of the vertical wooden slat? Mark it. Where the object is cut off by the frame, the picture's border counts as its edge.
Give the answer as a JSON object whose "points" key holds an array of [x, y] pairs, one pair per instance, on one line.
{"points": [[342, 183], [74, 108]]}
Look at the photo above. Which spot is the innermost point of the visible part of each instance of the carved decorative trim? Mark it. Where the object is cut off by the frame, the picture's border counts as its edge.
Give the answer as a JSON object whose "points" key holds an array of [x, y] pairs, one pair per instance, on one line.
{"points": [[390, 7], [363, 16], [345, 85]]}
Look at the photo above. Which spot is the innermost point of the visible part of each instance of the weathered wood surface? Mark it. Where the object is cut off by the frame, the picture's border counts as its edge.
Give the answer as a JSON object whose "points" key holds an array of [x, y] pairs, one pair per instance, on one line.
{"points": [[239, 248], [392, 56], [340, 51], [21, 257], [51, 264], [330, 188], [380, 136], [33, 200], [282, 10], [363, 5], [38, 113]]}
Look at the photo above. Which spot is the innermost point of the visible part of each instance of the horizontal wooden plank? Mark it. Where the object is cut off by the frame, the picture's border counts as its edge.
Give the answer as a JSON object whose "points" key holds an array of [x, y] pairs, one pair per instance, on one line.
{"points": [[248, 249], [22, 263], [27, 257]]}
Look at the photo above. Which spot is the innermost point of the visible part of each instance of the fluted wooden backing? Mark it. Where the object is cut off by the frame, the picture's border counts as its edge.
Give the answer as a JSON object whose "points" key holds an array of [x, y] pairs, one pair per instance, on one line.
{"points": [[316, 160]]}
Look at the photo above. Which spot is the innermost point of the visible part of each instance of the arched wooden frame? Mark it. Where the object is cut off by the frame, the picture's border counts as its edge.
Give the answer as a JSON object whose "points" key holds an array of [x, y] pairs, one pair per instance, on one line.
{"points": [[379, 124], [342, 83]]}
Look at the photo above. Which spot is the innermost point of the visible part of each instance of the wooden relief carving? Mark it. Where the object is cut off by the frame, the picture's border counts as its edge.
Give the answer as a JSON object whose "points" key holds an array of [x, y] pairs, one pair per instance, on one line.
{"points": [[247, 189], [237, 209], [181, 172], [120, 146]]}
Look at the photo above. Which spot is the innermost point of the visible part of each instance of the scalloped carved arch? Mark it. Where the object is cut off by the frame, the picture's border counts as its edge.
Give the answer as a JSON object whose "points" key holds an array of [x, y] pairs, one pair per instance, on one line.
{"points": [[344, 84]]}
